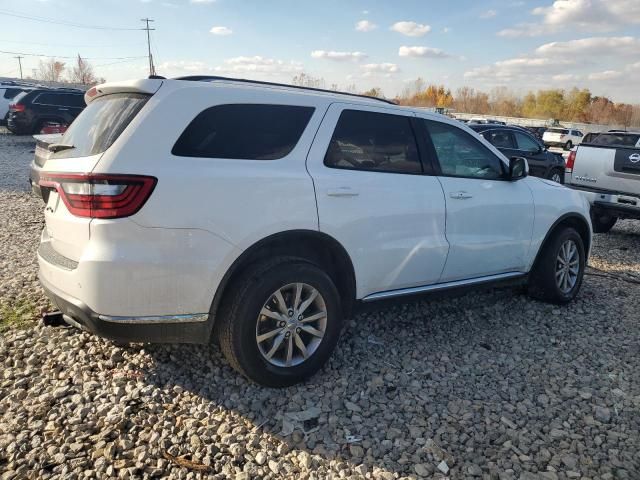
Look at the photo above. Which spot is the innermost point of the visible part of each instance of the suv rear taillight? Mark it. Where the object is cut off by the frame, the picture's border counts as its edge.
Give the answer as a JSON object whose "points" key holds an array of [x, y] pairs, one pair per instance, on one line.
{"points": [[100, 195], [16, 107], [571, 159]]}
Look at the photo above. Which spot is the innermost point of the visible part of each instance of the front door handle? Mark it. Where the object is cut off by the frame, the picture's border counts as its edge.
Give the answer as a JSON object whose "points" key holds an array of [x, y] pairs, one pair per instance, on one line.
{"points": [[342, 192], [460, 195]]}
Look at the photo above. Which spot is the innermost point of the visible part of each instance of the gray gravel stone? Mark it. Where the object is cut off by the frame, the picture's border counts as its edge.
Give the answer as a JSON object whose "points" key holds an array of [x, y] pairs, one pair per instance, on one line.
{"points": [[494, 384]]}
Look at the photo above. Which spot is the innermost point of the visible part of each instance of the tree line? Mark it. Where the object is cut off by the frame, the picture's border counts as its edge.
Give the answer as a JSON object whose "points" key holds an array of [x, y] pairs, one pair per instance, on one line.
{"points": [[574, 105], [79, 72]]}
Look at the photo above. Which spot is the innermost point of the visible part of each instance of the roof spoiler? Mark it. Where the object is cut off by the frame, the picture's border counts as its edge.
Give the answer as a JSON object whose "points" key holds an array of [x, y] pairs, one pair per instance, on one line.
{"points": [[148, 86]]}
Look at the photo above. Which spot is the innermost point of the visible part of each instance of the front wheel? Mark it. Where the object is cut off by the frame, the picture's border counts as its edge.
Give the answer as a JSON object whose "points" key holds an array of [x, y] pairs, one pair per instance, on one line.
{"points": [[281, 322], [557, 274]]}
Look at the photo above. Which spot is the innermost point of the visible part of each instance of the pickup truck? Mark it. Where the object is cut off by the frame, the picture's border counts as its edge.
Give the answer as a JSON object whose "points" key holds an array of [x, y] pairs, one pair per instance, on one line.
{"points": [[607, 171]]}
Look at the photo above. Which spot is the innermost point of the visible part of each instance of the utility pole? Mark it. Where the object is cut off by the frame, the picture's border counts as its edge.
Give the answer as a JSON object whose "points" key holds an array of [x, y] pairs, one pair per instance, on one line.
{"points": [[20, 64], [152, 70]]}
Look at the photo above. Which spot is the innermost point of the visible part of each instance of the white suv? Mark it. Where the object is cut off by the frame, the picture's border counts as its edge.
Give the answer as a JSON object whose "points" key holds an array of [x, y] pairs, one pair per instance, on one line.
{"points": [[566, 138], [202, 208]]}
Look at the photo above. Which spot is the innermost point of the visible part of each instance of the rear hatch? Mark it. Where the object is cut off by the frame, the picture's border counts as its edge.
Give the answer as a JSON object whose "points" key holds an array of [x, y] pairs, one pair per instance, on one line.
{"points": [[610, 162], [66, 180], [555, 135]]}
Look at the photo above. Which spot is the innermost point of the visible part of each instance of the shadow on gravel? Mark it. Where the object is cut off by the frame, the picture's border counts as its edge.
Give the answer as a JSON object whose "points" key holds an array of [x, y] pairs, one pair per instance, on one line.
{"points": [[488, 383]]}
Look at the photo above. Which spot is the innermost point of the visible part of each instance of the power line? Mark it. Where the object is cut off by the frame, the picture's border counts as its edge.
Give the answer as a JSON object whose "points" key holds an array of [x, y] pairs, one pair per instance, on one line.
{"points": [[152, 70], [59, 22], [75, 56]]}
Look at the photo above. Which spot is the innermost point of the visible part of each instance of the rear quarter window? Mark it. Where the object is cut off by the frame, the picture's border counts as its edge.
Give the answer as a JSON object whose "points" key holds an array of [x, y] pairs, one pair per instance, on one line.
{"points": [[244, 132]]}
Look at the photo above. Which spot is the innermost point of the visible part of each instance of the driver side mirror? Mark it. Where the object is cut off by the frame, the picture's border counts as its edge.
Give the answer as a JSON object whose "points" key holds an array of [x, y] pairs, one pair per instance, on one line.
{"points": [[518, 168]]}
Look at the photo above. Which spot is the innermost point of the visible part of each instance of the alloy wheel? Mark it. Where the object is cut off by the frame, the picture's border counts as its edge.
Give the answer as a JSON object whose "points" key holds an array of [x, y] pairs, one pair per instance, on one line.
{"points": [[291, 325], [567, 266]]}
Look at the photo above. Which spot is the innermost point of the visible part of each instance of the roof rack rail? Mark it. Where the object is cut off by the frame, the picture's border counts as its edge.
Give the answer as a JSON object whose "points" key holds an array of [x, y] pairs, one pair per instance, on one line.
{"points": [[207, 78]]}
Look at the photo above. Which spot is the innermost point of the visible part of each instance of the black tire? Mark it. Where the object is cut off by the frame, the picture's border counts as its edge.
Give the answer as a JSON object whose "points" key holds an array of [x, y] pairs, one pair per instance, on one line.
{"points": [[542, 279], [568, 145], [555, 171], [38, 127], [602, 223], [237, 320]]}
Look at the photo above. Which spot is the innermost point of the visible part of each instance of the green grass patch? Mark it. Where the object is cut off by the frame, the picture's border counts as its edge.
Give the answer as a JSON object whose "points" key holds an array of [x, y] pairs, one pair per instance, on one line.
{"points": [[18, 314]]}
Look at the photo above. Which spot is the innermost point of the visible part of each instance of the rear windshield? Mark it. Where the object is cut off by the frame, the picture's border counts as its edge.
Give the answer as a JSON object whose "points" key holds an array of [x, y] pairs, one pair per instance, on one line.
{"points": [[563, 131], [100, 124], [623, 140]]}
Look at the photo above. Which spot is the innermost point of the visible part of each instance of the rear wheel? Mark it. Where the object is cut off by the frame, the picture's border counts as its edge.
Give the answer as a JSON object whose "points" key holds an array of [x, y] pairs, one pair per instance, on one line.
{"points": [[557, 274], [602, 223], [281, 322], [568, 145], [556, 175]]}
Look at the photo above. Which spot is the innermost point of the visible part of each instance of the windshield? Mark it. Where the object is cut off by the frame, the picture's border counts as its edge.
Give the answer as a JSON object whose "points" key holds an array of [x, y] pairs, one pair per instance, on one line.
{"points": [[100, 124]]}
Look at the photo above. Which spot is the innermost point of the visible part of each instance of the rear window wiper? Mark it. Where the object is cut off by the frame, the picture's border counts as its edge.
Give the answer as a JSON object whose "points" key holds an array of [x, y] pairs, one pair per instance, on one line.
{"points": [[58, 147]]}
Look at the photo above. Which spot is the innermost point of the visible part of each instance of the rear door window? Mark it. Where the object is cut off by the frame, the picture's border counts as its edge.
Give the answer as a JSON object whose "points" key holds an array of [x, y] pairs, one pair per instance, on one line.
{"points": [[499, 138], [9, 93], [374, 142], [244, 132], [100, 124]]}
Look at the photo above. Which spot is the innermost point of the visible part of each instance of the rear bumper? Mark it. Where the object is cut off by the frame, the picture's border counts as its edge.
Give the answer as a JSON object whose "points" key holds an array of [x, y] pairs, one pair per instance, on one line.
{"points": [[161, 329], [612, 203]]}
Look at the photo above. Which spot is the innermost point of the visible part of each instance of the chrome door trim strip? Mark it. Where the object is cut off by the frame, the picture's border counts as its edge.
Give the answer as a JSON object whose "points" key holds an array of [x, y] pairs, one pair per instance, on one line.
{"points": [[441, 286]]}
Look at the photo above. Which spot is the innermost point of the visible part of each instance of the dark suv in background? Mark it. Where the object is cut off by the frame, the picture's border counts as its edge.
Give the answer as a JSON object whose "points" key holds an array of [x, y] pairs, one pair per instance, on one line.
{"points": [[31, 111], [515, 141]]}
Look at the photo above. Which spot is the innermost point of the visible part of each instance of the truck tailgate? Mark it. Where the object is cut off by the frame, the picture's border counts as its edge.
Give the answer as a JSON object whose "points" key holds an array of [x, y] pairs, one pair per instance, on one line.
{"points": [[607, 168]]}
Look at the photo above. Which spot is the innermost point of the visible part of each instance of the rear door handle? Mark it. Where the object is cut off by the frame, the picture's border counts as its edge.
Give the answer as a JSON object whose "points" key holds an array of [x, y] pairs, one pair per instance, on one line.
{"points": [[342, 192], [63, 109], [460, 195]]}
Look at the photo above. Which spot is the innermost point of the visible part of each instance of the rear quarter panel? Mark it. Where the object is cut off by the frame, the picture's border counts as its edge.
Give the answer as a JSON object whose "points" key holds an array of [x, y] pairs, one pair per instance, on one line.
{"points": [[238, 201]]}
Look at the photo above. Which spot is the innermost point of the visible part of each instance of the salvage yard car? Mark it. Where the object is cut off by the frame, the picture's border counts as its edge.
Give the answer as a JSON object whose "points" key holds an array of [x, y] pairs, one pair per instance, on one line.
{"points": [[607, 171], [517, 141], [259, 215], [566, 138]]}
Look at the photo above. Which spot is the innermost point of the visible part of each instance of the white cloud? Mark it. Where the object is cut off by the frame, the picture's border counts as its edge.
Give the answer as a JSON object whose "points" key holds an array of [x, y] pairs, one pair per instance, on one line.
{"points": [[411, 29], [365, 26], [606, 75], [339, 56], [380, 68], [593, 46], [446, 30], [586, 15], [488, 14], [565, 77], [520, 68], [424, 52], [221, 31], [259, 64], [202, 2]]}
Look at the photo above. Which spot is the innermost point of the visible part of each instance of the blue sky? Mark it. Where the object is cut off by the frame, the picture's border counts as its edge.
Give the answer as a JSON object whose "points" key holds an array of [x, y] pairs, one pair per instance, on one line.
{"points": [[521, 44]]}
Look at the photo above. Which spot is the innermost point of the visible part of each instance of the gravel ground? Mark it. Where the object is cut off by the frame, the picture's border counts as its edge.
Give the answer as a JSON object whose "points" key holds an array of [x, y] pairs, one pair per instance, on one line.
{"points": [[490, 385]]}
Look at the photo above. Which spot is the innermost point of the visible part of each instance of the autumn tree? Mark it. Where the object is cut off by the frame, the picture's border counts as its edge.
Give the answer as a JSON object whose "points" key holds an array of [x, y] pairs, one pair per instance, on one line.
{"points": [[374, 92], [82, 72], [305, 80], [50, 70], [471, 101]]}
